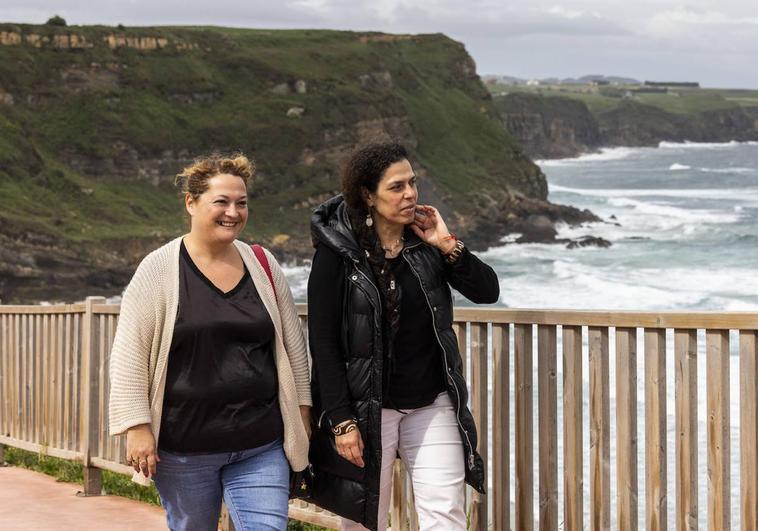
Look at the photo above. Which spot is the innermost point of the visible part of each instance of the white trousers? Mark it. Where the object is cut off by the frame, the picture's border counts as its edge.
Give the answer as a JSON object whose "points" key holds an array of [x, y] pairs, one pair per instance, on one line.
{"points": [[429, 444]]}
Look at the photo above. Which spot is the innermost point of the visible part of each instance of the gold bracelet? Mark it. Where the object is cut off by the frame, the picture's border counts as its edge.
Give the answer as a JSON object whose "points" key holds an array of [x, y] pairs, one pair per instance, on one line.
{"points": [[455, 253], [345, 427]]}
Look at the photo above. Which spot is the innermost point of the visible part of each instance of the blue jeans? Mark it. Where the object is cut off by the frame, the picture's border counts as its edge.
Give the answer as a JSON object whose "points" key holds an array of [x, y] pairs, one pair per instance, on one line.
{"points": [[254, 484]]}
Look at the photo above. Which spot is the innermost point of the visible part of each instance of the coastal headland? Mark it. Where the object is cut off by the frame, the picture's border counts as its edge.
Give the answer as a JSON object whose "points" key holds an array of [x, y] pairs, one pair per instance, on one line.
{"points": [[95, 121], [565, 120]]}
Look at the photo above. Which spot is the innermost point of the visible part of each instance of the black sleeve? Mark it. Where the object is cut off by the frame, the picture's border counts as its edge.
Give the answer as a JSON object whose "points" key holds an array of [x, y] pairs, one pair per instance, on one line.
{"points": [[326, 284], [474, 279]]}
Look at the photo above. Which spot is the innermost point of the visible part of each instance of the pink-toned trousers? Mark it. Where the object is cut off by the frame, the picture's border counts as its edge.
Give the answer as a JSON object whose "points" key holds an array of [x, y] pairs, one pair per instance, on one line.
{"points": [[429, 444]]}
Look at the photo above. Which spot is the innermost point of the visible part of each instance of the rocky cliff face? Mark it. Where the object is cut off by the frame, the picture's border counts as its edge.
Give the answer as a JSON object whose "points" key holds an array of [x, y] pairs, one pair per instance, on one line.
{"points": [[549, 127], [635, 124], [557, 127], [96, 121]]}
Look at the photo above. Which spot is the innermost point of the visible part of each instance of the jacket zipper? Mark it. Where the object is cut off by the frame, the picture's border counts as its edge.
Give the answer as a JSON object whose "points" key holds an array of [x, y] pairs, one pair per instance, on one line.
{"points": [[379, 295], [444, 357]]}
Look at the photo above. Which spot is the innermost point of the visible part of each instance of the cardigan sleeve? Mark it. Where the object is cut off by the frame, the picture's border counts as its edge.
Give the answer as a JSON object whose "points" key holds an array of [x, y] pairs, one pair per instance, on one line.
{"points": [[292, 333], [129, 400]]}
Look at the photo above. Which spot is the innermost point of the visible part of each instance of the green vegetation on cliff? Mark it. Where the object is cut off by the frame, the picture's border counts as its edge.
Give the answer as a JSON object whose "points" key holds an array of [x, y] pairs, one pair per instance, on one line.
{"points": [[95, 121], [561, 121], [91, 119], [687, 101]]}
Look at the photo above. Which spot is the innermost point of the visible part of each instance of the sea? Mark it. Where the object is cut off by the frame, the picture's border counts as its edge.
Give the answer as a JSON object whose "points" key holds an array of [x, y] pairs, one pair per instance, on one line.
{"points": [[682, 219]]}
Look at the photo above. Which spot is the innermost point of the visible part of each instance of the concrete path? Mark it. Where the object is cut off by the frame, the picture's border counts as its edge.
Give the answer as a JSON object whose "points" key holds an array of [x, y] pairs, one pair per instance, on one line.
{"points": [[32, 500]]}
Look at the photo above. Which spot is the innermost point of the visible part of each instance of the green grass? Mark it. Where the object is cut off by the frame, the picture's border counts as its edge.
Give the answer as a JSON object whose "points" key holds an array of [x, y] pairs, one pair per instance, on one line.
{"points": [[101, 109], [71, 472], [686, 102], [683, 101], [595, 101], [113, 484]]}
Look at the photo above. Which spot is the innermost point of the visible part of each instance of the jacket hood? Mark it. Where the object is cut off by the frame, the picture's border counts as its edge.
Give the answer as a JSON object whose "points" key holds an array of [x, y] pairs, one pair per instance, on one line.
{"points": [[330, 225]]}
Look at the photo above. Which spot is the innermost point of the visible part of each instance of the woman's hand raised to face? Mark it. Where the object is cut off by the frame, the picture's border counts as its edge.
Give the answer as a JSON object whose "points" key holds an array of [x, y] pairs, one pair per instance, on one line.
{"points": [[350, 447], [430, 227]]}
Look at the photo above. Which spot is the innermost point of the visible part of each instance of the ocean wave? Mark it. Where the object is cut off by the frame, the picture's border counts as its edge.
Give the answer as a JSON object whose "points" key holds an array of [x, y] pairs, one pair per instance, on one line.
{"points": [[703, 193], [573, 284], [297, 277], [676, 166], [729, 170], [576, 285], [704, 145], [605, 154]]}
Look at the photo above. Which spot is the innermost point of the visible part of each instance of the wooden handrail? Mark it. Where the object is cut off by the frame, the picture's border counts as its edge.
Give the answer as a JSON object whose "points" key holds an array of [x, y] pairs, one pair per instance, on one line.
{"points": [[54, 393]]}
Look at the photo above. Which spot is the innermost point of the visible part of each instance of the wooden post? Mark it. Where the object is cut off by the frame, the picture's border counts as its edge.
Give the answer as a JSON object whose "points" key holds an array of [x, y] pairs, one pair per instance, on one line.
{"points": [[626, 422], [600, 431], [524, 434], [572, 427], [655, 428], [501, 492], [547, 404], [685, 382], [399, 504], [88, 403], [226, 523], [479, 397], [717, 359], [748, 430]]}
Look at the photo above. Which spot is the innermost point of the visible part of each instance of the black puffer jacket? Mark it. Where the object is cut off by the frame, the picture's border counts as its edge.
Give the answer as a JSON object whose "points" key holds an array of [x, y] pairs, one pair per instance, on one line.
{"points": [[340, 486]]}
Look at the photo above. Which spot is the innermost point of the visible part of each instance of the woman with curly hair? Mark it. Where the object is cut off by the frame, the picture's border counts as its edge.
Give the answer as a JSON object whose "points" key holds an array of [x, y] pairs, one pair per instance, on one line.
{"points": [[388, 378], [209, 371]]}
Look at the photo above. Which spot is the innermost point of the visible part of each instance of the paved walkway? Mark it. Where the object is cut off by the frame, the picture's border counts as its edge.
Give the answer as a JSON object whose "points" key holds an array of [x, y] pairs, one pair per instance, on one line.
{"points": [[32, 500]]}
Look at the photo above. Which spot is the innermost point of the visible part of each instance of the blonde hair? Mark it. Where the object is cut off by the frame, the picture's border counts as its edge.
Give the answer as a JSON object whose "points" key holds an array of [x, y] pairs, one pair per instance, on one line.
{"points": [[193, 179]]}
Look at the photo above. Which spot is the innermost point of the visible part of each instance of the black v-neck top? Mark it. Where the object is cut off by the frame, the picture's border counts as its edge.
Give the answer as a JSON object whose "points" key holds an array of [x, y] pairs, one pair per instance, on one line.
{"points": [[221, 390]]}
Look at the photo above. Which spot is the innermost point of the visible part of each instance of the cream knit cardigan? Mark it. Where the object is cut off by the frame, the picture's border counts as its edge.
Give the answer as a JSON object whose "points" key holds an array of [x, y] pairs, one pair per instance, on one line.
{"points": [[139, 356]]}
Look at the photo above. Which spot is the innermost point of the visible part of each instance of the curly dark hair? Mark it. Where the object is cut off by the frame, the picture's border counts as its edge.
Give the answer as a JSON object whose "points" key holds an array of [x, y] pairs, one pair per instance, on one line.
{"points": [[363, 172]]}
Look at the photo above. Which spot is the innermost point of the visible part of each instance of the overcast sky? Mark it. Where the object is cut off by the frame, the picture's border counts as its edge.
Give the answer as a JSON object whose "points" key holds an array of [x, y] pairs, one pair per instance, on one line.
{"points": [[714, 42]]}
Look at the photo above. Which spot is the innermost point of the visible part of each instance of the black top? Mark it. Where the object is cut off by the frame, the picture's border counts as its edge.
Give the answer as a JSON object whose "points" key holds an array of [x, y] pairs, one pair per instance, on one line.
{"points": [[221, 383], [413, 379]]}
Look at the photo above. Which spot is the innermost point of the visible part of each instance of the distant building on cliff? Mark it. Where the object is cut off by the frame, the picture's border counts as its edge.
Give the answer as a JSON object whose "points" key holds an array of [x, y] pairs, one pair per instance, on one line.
{"points": [[672, 84]]}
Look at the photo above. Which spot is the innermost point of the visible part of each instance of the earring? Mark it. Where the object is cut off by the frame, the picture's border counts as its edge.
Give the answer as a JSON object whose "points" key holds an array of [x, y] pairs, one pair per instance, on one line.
{"points": [[369, 220]]}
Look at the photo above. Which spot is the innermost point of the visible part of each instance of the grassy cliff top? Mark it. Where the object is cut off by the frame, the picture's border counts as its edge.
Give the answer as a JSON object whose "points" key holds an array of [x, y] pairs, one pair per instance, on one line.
{"points": [[95, 121], [686, 101]]}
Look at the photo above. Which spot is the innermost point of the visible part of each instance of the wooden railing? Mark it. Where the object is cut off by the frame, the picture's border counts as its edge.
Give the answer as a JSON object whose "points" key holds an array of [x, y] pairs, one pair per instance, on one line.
{"points": [[54, 394]]}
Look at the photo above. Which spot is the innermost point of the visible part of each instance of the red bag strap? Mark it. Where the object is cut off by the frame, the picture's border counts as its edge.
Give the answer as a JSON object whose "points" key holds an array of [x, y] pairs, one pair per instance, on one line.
{"points": [[261, 256]]}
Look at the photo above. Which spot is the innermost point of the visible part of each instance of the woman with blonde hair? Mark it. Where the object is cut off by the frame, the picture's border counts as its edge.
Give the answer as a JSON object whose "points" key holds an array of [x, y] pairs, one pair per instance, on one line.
{"points": [[209, 371]]}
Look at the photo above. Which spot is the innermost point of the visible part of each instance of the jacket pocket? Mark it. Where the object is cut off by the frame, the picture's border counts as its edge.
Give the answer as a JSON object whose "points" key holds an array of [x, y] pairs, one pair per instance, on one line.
{"points": [[323, 456]]}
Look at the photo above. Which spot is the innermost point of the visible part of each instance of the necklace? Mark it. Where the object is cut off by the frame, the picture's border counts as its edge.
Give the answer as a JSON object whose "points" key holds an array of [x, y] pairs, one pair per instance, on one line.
{"points": [[391, 248]]}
